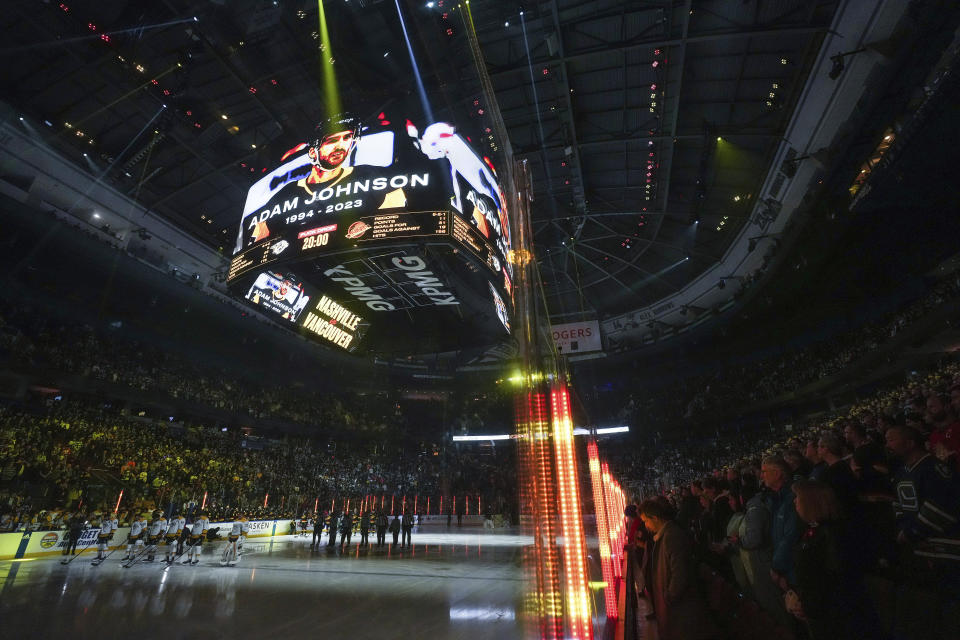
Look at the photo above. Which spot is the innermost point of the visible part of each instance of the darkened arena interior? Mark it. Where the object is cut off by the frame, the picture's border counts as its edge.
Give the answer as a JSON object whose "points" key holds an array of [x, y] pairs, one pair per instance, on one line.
{"points": [[556, 319]]}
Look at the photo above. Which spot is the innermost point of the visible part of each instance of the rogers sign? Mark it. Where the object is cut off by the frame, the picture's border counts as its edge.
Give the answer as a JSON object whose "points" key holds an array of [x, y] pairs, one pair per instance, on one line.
{"points": [[577, 337]]}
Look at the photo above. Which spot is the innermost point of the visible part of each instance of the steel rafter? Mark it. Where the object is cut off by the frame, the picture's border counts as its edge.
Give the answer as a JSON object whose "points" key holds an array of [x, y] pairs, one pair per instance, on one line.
{"points": [[670, 42]]}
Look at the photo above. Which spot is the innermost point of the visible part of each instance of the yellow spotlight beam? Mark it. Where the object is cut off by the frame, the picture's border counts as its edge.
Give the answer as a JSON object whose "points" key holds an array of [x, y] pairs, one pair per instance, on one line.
{"points": [[328, 76]]}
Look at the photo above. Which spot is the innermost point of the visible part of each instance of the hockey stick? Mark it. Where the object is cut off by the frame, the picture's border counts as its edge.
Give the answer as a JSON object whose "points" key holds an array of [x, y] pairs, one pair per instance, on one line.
{"points": [[74, 557], [176, 556], [97, 562], [131, 560], [140, 554]]}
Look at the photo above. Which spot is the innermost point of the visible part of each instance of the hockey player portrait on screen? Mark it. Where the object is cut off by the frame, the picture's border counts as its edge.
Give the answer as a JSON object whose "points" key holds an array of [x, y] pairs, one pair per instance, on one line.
{"points": [[348, 169]]}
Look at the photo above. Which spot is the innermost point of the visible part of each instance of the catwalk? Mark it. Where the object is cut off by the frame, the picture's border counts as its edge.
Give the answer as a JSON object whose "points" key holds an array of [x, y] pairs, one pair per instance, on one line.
{"points": [[448, 585]]}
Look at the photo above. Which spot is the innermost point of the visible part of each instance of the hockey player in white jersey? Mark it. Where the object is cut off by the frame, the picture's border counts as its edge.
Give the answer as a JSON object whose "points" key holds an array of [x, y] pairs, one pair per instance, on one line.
{"points": [[244, 532], [157, 528], [231, 553], [174, 529], [138, 531], [108, 524], [198, 534]]}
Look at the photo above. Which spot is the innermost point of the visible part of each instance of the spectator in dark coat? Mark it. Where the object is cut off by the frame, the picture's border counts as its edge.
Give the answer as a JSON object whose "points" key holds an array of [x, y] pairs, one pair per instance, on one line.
{"points": [[838, 473], [784, 529], [677, 602], [826, 595]]}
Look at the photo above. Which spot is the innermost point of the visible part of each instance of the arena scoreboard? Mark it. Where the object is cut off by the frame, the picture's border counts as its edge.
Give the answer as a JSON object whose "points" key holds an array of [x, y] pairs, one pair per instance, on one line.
{"points": [[379, 238]]}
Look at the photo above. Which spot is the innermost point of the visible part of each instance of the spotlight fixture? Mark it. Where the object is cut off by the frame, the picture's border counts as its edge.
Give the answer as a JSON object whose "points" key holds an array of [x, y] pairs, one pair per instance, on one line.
{"points": [[838, 63], [837, 67]]}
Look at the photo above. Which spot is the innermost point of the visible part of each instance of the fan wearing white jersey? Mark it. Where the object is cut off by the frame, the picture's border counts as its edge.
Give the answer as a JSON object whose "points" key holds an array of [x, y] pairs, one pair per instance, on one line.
{"points": [[107, 526], [135, 540], [198, 533], [174, 529], [157, 528]]}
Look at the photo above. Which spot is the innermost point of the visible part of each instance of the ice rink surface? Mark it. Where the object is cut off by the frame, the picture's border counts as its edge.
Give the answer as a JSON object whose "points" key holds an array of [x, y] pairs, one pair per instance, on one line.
{"points": [[450, 584]]}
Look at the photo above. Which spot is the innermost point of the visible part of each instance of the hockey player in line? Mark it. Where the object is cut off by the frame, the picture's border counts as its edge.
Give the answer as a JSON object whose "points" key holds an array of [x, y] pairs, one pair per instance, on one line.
{"points": [[234, 540], [157, 528], [108, 524], [174, 529], [138, 530], [198, 533], [244, 531]]}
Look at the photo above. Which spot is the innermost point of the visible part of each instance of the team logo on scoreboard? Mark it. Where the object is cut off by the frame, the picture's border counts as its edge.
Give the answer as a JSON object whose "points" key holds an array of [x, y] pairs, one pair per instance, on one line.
{"points": [[279, 247], [357, 229]]}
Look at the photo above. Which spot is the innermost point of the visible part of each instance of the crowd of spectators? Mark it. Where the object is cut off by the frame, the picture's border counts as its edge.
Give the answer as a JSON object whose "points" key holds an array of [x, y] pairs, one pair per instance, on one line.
{"points": [[37, 341], [733, 386], [53, 460], [808, 523]]}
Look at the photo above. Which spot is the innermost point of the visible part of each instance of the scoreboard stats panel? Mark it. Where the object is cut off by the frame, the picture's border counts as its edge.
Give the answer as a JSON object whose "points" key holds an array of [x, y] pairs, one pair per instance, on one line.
{"points": [[407, 234]]}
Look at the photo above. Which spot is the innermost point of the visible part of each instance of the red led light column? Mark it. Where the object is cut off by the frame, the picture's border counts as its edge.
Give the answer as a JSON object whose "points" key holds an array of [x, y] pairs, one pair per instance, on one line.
{"points": [[577, 599], [544, 601], [602, 513]]}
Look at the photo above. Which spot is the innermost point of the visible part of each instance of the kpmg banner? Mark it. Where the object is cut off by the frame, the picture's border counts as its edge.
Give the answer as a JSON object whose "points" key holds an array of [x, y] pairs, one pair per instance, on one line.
{"points": [[577, 337], [350, 173]]}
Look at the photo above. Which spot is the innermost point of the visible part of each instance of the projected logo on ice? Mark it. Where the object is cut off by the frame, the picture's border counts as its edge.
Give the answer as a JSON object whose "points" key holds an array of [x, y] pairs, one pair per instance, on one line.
{"points": [[349, 169]]}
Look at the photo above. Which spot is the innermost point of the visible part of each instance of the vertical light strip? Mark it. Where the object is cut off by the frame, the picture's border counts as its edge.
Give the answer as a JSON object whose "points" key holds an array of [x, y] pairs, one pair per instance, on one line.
{"points": [[548, 561], [602, 513], [577, 597], [611, 518], [543, 604]]}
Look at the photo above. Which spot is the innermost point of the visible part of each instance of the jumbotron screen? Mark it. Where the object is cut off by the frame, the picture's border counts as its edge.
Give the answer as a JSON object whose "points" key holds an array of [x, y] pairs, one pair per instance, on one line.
{"points": [[407, 229]]}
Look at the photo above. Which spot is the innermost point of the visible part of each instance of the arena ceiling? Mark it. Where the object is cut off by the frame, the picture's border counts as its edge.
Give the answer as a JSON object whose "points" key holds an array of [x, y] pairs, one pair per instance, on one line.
{"points": [[648, 126]]}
